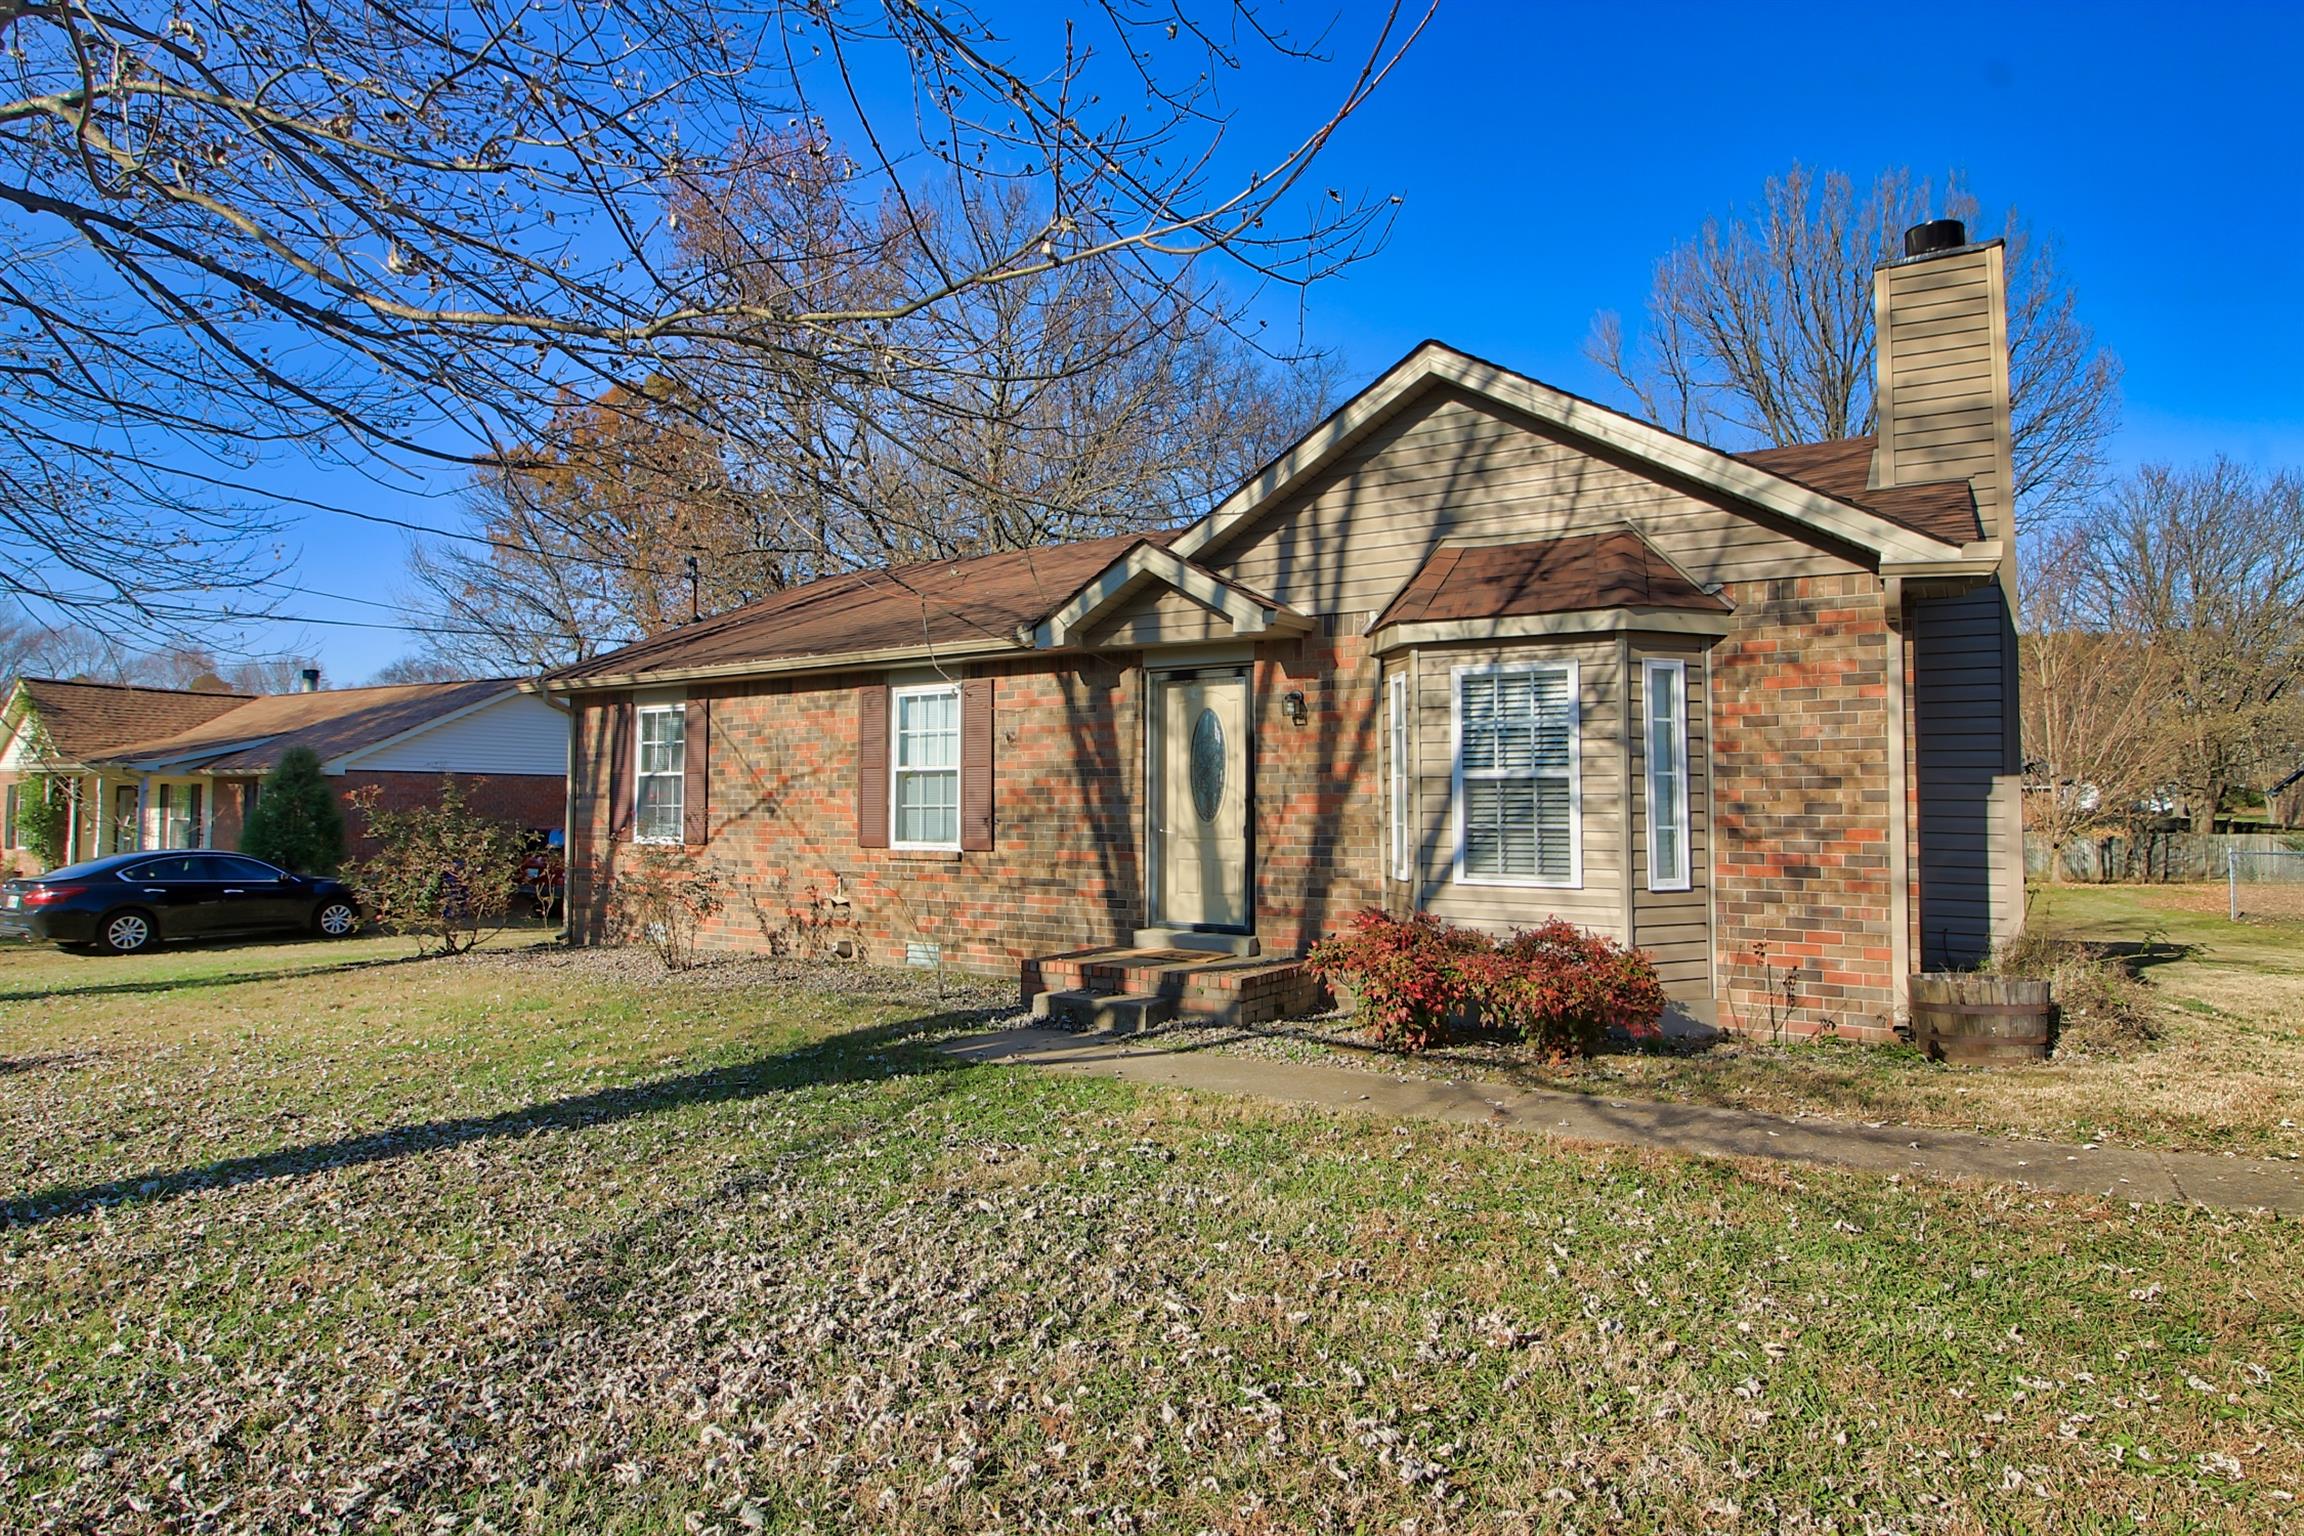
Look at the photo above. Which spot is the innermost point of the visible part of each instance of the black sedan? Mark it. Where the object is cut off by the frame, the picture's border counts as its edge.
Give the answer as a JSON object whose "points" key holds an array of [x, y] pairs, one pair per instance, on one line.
{"points": [[131, 901]]}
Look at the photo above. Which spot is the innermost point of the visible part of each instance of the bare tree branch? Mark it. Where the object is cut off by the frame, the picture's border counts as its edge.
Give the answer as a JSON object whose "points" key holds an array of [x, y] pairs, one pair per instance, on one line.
{"points": [[411, 231], [1760, 331]]}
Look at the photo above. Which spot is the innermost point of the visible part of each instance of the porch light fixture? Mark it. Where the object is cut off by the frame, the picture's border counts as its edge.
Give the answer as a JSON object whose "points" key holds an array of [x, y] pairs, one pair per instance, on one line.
{"points": [[1293, 703]]}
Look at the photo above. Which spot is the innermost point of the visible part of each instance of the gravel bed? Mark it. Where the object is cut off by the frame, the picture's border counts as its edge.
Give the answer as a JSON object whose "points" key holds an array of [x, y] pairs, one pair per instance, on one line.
{"points": [[633, 965]]}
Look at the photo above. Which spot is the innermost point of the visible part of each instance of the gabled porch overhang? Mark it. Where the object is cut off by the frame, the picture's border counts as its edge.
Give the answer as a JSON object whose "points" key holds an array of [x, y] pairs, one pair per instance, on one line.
{"points": [[1152, 568]]}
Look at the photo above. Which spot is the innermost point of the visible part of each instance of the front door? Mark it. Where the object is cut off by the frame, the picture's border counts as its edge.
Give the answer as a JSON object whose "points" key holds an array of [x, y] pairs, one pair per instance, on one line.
{"points": [[1200, 809]]}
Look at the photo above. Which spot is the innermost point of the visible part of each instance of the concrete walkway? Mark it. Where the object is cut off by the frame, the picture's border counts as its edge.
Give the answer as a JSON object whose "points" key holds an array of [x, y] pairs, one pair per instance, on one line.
{"points": [[2238, 1183]]}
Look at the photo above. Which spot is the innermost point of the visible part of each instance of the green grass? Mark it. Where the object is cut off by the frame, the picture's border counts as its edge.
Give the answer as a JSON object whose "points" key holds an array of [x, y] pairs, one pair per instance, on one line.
{"points": [[2194, 918], [549, 1244]]}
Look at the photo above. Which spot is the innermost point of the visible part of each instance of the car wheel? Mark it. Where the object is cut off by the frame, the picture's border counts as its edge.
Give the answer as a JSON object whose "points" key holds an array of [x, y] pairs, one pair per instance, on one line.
{"points": [[336, 919], [127, 933]]}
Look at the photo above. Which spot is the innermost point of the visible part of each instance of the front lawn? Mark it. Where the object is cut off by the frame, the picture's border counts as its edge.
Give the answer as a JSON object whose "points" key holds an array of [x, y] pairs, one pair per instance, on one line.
{"points": [[2227, 1072], [546, 1243]]}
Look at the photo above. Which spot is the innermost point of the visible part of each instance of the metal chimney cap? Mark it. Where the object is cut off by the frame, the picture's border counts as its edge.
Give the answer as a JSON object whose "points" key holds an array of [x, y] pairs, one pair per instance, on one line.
{"points": [[1935, 235], [308, 680]]}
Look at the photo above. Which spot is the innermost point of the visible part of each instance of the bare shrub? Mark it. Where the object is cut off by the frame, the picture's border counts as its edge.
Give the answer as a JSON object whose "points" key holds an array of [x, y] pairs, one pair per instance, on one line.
{"points": [[441, 871], [660, 899], [2103, 1007]]}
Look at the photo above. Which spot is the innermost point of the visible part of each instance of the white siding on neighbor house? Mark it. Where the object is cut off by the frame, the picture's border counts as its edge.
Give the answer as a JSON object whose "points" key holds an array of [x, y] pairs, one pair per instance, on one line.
{"points": [[15, 755], [518, 733]]}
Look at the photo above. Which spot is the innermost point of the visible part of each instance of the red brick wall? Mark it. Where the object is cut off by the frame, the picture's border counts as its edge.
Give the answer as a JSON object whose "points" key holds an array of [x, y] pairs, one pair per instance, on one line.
{"points": [[1801, 811], [1062, 873], [1318, 811], [523, 799], [230, 812]]}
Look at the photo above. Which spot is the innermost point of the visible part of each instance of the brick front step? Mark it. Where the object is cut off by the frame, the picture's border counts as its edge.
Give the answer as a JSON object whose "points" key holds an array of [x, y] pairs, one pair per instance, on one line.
{"points": [[1246, 989]]}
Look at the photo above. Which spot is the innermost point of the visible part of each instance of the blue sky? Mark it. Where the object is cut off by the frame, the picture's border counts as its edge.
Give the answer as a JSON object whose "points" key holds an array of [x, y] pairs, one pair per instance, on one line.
{"points": [[1548, 155]]}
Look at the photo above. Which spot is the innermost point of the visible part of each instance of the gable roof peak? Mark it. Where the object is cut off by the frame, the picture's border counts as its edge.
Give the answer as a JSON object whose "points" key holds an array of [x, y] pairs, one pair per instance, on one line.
{"points": [[1433, 364]]}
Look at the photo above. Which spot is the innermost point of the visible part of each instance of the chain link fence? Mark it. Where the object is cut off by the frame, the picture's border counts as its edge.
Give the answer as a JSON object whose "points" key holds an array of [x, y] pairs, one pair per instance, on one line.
{"points": [[2265, 883]]}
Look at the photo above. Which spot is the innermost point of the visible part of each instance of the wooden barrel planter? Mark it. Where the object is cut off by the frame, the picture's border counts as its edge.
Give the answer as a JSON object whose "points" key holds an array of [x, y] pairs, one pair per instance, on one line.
{"points": [[1982, 1021]]}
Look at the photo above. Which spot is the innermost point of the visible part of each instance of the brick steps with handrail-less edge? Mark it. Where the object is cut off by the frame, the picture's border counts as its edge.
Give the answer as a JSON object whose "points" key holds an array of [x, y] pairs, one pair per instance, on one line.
{"points": [[1104, 989]]}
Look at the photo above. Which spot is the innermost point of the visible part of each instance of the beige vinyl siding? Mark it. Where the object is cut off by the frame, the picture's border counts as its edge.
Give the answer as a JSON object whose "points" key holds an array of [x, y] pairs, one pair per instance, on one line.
{"points": [[1598, 902], [1962, 738], [1450, 467], [1943, 367], [1160, 615], [1674, 926]]}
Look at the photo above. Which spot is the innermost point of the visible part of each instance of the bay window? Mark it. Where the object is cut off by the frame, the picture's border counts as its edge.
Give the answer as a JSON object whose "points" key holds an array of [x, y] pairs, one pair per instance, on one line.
{"points": [[1517, 796], [1664, 711], [1401, 840]]}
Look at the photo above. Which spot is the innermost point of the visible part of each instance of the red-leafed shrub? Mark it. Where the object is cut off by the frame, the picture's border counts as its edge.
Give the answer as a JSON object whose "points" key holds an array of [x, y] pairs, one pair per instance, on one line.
{"points": [[1564, 988], [1409, 973], [1556, 985]]}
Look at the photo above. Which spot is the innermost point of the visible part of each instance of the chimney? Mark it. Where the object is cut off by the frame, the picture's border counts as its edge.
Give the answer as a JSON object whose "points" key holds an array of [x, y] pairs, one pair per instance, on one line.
{"points": [[308, 680], [1941, 311]]}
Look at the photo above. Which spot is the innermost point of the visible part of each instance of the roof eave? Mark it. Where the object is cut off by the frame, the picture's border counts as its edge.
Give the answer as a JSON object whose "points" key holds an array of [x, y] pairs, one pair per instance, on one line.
{"points": [[785, 666], [1544, 626]]}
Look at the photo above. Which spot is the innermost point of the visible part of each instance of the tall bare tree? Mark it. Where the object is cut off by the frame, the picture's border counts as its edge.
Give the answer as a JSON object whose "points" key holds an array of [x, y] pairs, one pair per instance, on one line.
{"points": [[2206, 565], [420, 666], [1760, 331], [1080, 401], [2096, 701], [237, 230], [627, 522]]}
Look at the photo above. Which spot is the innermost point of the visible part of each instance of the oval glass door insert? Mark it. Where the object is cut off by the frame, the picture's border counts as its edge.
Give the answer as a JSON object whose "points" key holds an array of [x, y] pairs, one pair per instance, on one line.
{"points": [[1207, 765]]}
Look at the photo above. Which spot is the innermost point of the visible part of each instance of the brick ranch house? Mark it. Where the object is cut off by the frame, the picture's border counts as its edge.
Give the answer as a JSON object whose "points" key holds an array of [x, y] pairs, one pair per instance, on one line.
{"points": [[148, 768], [1474, 646]]}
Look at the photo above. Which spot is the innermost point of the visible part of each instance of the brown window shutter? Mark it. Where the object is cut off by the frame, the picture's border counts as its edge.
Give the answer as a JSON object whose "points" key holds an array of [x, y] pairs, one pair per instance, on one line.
{"points": [[696, 774], [976, 764], [616, 720], [872, 766]]}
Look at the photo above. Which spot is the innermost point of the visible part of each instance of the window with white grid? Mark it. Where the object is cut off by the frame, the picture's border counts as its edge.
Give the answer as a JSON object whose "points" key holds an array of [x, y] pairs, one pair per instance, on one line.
{"points": [[1664, 707], [661, 782], [1402, 799], [1517, 798], [924, 776]]}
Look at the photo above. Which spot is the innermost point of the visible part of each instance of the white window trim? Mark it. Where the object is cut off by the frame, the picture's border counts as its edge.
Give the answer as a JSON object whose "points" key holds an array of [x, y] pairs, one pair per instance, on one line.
{"points": [[1397, 785], [1572, 671], [641, 777], [896, 697], [1666, 679]]}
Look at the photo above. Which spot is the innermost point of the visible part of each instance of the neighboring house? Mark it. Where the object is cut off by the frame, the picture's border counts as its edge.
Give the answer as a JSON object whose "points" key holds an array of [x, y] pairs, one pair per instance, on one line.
{"points": [[159, 768], [1474, 647]]}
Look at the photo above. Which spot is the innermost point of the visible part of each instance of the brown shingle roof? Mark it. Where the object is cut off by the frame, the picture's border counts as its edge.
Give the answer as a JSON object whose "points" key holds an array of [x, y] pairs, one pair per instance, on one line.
{"points": [[1943, 509], [1617, 569], [254, 736], [84, 721], [951, 602]]}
